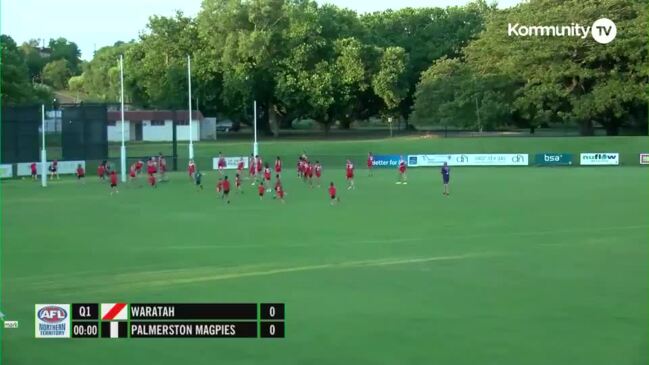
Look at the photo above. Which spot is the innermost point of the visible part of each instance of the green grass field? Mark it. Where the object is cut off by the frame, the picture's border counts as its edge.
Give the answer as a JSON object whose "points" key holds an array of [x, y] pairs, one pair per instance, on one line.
{"points": [[518, 266]]}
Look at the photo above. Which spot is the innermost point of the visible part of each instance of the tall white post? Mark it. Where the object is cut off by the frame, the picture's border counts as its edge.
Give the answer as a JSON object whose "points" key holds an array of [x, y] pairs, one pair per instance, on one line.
{"points": [[189, 78], [255, 146], [123, 149], [43, 151]]}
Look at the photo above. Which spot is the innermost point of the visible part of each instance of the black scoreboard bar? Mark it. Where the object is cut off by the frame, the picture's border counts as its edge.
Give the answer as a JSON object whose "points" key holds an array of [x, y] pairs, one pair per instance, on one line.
{"points": [[241, 311], [165, 320], [192, 329]]}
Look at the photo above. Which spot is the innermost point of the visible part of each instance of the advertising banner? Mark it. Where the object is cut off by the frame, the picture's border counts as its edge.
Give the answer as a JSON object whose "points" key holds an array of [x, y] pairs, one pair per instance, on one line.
{"points": [[553, 159], [644, 159], [6, 171], [230, 163], [599, 159], [386, 161], [497, 159], [64, 167]]}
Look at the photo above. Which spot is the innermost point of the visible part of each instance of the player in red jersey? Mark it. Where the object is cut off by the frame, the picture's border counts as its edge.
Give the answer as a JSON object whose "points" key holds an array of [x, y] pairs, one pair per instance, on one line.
{"points": [[101, 170], [349, 173], [219, 187], [113, 183], [152, 181], [34, 171], [259, 164], [252, 169], [221, 163], [81, 173], [226, 189], [237, 183], [279, 190], [162, 167], [261, 190], [308, 173], [332, 194], [150, 167], [370, 163], [299, 167], [54, 170], [132, 173], [267, 175], [138, 166], [240, 166], [191, 169], [402, 171], [278, 165], [317, 169]]}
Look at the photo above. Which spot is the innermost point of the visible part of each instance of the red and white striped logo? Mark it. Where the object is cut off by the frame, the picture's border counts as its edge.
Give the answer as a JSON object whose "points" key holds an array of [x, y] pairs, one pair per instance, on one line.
{"points": [[114, 311]]}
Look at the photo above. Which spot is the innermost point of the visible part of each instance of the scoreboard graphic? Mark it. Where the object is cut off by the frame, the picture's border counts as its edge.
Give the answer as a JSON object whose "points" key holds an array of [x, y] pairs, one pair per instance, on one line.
{"points": [[151, 320]]}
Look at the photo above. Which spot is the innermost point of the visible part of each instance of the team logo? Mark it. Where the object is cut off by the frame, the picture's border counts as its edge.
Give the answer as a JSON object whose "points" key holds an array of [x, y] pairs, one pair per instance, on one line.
{"points": [[52, 321]]}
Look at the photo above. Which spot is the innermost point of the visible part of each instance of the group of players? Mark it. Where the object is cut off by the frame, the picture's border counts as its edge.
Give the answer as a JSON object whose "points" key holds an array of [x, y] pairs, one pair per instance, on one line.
{"points": [[259, 173]]}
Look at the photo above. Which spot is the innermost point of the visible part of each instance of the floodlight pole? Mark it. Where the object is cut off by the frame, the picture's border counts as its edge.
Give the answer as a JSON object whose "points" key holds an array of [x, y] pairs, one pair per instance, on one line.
{"points": [[255, 146], [123, 149], [43, 151], [189, 78]]}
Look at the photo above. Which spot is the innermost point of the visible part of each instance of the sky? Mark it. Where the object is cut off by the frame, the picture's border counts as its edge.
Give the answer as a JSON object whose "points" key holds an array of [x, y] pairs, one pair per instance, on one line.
{"points": [[93, 24]]}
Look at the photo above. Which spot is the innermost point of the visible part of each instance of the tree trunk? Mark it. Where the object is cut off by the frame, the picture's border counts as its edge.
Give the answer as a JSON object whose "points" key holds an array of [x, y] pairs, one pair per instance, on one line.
{"points": [[586, 128], [272, 115], [612, 128], [345, 123]]}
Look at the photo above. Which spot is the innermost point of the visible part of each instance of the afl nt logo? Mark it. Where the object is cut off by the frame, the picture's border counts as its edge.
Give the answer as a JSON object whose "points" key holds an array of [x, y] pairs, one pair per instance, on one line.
{"points": [[52, 314]]}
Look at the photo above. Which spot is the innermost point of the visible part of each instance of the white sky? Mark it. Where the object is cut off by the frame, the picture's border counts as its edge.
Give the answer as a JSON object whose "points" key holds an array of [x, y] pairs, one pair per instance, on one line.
{"points": [[93, 24]]}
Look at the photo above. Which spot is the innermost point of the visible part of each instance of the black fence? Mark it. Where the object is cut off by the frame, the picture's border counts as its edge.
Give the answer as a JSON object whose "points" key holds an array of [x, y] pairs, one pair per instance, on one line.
{"points": [[83, 132], [20, 133]]}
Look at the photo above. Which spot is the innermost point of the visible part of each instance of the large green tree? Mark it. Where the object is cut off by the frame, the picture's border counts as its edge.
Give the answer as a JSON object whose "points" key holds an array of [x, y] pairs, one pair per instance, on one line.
{"points": [[570, 79], [57, 73], [16, 85]]}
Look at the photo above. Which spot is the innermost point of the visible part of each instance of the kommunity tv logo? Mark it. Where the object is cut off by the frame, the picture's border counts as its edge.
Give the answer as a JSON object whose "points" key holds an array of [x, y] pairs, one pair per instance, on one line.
{"points": [[603, 30]]}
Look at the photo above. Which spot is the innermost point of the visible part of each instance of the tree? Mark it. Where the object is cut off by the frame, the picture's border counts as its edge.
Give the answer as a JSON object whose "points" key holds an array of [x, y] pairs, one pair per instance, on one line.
{"points": [[62, 49], [16, 86], [426, 34], [570, 79], [390, 83], [56, 74], [450, 93], [33, 59]]}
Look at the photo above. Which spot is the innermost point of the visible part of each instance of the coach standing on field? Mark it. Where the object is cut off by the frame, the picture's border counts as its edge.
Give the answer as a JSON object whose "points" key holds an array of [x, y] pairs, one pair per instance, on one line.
{"points": [[446, 176]]}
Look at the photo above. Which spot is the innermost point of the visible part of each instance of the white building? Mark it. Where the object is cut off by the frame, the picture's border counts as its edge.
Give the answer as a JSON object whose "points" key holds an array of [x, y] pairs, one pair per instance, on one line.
{"points": [[153, 125]]}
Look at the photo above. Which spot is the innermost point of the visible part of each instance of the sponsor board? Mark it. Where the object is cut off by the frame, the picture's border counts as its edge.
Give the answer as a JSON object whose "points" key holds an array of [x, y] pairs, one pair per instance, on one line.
{"points": [[52, 321], [599, 159], [385, 161], [553, 159], [230, 163], [6, 171], [494, 159], [644, 159], [64, 167]]}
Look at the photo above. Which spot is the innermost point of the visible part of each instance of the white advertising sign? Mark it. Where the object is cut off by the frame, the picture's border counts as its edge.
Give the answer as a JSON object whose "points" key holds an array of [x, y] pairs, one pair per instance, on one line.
{"points": [[6, 171], [230, 163], [497, 159], [599, 159], [64, 167]]}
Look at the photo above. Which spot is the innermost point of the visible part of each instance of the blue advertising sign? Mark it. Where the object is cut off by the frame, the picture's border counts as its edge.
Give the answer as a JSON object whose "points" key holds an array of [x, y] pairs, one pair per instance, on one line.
{"points": [[553, 159], [386, 161]]}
